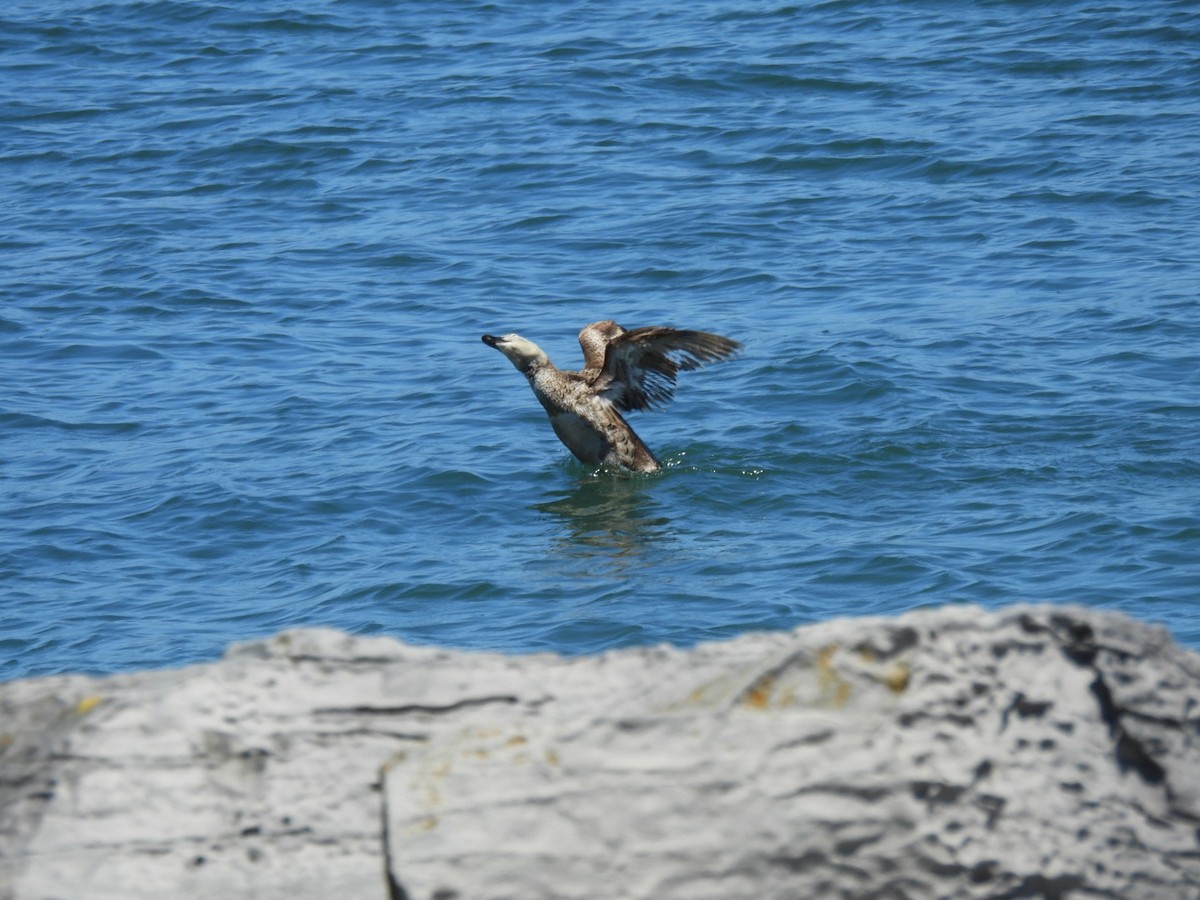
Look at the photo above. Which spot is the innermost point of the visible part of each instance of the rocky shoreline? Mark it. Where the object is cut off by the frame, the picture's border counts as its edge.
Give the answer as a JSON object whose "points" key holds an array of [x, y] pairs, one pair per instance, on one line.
{"points": [[953, 752]]}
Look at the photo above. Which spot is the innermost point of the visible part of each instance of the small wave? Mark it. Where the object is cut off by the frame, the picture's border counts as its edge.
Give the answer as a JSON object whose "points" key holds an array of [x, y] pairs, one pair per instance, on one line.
{"points": [[27, 421]]}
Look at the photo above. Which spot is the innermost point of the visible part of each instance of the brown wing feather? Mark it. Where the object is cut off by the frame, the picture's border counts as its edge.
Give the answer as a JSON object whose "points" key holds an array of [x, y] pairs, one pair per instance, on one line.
{"points": [[640, 365], [594, 339]]}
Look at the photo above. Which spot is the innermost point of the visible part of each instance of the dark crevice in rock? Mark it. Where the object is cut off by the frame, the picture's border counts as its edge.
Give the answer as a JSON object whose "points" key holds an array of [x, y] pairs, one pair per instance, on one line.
{"points": [[942, 870], [1060, 887], [1024, 708], [850, 846], [409, 708], [805, 862], [1000, 650], [871, 794], [1077, 641], [1165, 721], [807, 740], [395, 890], [371, 732], [1129, 751]]}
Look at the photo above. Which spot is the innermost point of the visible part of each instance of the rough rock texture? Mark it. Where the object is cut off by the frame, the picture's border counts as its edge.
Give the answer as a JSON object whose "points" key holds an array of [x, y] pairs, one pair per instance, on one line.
{"points": [[1032, 752]]}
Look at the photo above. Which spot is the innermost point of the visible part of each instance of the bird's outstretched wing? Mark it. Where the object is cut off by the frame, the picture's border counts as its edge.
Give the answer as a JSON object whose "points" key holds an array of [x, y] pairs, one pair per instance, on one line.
{"points": [[640, 365]]}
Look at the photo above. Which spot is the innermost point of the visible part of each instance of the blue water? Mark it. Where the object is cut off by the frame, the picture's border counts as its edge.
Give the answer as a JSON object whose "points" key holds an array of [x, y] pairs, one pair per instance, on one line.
{"points": [[249, 249]]}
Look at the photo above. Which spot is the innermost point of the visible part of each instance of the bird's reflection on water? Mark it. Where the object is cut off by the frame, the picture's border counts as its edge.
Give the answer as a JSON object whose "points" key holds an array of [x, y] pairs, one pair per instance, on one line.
{"points": [[611, 515]]}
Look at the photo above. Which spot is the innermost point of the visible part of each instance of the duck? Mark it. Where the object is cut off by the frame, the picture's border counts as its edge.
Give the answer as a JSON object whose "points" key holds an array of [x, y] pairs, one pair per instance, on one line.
{"points": [[623, 370]]}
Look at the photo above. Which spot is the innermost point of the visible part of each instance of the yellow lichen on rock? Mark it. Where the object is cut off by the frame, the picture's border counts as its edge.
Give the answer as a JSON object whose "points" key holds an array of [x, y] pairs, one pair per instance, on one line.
{"points": [[897, 678], [422, 825], [87, 704], [834, 689], [759, 694]]}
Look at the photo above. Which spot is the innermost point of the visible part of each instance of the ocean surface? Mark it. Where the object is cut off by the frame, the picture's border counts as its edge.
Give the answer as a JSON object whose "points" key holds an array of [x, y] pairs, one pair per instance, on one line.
{"points": [[248, 251]]}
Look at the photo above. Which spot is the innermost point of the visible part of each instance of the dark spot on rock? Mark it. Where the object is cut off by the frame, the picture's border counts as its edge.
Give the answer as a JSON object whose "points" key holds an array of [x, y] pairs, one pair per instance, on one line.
{"points": [[1030, 709], [936, 867], [1131, 754], [1060, 887], [982, 872], [936, 792], [804, 862], [1029, 624], [1077, 639], [895, 641], [992, 805], [1024, 708], [850, 846]]}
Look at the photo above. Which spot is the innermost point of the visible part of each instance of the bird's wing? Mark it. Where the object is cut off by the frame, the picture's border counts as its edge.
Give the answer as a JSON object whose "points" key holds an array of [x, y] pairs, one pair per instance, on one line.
{"points": [[594, 339], [640, 365]]}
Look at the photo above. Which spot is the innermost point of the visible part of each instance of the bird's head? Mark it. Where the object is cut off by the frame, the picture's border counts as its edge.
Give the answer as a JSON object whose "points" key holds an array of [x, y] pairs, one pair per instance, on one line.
{"points": [[521, 353]]}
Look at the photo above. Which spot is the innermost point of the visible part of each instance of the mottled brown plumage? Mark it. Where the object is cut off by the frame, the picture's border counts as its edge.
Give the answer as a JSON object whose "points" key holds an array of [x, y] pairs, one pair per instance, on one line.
{"points": [[622, 370]]}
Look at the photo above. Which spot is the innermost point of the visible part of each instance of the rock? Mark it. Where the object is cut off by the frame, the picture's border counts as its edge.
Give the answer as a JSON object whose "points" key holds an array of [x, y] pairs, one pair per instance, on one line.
{"points": [[1030, 752]]}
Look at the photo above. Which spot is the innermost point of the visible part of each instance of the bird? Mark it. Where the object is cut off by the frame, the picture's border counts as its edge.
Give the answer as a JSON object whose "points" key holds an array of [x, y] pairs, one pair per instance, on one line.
{"points": [[623, 370]]}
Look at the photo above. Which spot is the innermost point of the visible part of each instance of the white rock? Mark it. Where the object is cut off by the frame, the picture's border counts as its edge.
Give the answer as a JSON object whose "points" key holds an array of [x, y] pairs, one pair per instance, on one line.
{"points": [[1031, 752]]}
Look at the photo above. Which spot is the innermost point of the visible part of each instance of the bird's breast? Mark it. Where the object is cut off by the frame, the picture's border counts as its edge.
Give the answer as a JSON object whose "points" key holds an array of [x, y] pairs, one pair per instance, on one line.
{"points": [[580, 436]]}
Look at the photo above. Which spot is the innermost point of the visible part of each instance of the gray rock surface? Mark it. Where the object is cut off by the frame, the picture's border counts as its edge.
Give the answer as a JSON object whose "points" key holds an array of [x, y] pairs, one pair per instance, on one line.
{"points": [[1030, 752]]}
